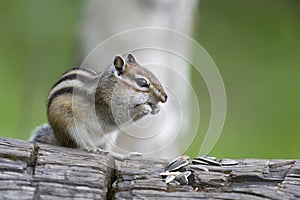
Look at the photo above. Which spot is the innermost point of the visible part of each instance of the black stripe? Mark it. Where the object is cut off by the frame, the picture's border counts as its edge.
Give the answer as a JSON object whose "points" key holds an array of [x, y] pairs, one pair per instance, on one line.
{"points": [[69, 77], [66, 90], [73, 76]]}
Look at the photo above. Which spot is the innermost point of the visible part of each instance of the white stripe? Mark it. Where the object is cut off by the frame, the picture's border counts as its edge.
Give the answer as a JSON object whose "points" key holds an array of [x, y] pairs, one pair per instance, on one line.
{"points": [[81, 72], [90, 70], [156, 91], [64, 84]]}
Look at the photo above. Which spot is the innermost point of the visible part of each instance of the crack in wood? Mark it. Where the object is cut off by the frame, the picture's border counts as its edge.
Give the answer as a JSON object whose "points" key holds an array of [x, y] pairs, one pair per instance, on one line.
{"points": [[32, 160], [112, 178]]}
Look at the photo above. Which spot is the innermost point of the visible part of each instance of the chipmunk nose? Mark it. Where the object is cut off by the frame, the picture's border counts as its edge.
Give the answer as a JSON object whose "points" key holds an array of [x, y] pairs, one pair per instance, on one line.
{"points": [[164, 98]]}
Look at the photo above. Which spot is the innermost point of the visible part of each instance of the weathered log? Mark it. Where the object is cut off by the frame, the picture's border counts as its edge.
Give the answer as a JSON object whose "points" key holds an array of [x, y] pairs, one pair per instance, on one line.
{"points": [[38, 171]]}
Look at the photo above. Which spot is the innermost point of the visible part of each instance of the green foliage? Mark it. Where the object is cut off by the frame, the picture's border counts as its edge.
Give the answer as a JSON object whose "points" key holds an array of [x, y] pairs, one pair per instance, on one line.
{"points": [[37, 40], [256, 46]]}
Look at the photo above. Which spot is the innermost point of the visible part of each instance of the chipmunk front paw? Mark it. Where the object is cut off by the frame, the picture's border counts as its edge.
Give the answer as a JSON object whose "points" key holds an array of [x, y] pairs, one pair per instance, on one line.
{"points": [[155, 109]]}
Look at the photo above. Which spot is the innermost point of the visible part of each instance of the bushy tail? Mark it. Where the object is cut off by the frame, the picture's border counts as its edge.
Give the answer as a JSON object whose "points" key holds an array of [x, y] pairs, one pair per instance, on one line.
{"points": [[43, 134]]}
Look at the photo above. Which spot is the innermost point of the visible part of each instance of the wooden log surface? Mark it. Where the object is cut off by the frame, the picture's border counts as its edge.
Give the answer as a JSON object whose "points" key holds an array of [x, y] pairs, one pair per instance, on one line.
{"points": [[38, 171]]}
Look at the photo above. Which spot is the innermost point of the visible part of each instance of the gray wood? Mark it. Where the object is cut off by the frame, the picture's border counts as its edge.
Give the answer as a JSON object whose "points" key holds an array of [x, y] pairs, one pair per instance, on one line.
{"points": [[29, 171]]}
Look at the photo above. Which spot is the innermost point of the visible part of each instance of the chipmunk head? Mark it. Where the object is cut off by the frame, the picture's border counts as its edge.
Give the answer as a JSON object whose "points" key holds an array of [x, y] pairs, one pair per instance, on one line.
{"points": [[137, 92]]}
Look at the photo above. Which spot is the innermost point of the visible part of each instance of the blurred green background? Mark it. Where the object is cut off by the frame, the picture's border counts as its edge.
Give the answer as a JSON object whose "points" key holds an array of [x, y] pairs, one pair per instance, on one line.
{"points": [[255, 44]]}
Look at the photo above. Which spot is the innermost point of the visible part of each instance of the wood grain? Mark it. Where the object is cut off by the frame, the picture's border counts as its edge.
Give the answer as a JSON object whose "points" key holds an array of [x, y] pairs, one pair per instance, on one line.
{"points": [[39, 171]]}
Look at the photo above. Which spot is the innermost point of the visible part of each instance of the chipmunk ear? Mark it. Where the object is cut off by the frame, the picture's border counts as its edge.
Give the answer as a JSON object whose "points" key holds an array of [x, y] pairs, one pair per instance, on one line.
{"points": [[131, 58], [119, 64]]}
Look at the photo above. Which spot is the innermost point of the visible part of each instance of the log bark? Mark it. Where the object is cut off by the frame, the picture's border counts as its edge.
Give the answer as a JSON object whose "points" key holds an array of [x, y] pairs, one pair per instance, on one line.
{"points": [[38, 171]]}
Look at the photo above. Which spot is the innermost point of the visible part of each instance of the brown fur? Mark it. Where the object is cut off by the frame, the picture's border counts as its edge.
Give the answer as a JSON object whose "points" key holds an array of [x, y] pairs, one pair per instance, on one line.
{"points": [[117, 100]]}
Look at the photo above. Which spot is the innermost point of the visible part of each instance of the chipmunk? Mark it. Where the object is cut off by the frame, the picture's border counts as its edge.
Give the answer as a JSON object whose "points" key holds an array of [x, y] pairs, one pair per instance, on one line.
{"points": [[86, 109]]}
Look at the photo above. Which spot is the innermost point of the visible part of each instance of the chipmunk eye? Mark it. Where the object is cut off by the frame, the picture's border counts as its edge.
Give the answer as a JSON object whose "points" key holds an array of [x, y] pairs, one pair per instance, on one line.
{"points": [[142, 82]]}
